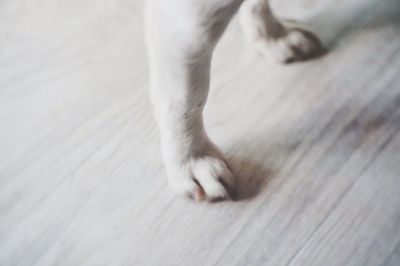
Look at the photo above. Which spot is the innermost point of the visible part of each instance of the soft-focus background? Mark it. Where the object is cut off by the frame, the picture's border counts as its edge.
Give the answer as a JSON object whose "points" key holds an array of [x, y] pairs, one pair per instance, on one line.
{"points": [[315, 146]]}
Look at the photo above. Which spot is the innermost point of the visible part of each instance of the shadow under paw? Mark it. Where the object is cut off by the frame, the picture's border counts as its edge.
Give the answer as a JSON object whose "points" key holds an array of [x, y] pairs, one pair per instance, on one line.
{"points": [[250, 178]]}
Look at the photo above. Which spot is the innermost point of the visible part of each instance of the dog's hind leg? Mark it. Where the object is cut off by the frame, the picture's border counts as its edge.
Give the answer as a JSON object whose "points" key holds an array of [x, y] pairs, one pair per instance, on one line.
{"points": [[282, 41]]}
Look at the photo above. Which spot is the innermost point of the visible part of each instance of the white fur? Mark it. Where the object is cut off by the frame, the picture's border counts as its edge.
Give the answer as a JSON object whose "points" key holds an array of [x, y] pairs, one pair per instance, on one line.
{"points": [[181, 37]]}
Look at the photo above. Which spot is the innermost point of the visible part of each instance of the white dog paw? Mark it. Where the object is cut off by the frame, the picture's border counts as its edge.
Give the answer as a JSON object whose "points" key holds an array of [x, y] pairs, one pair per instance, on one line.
{"points": [[293, 45], [202, 178]]}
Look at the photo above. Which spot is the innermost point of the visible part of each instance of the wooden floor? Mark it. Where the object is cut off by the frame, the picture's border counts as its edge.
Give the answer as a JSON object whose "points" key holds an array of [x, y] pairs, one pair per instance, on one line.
{"points": [[315, 146]]}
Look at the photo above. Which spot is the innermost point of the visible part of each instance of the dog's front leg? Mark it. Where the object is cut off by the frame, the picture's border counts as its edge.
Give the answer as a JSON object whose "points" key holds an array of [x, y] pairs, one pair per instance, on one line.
{"points": [[181, 37]]}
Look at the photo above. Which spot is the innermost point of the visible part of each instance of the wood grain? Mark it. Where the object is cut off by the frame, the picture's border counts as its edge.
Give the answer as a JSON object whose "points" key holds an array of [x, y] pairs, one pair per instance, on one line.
{"points": [[315, 146]]}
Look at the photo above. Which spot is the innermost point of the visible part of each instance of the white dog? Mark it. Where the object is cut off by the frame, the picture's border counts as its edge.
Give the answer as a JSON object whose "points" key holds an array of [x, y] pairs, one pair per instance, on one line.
{"points": [[182, 35]]}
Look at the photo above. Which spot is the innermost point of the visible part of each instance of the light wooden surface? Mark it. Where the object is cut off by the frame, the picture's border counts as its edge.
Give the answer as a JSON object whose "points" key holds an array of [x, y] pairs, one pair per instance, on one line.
{"points": [[315, 146]]}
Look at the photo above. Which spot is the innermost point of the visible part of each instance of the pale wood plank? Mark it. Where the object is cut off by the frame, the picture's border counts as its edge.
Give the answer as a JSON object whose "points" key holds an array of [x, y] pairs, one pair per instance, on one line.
{"points": [[315, 145]]}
